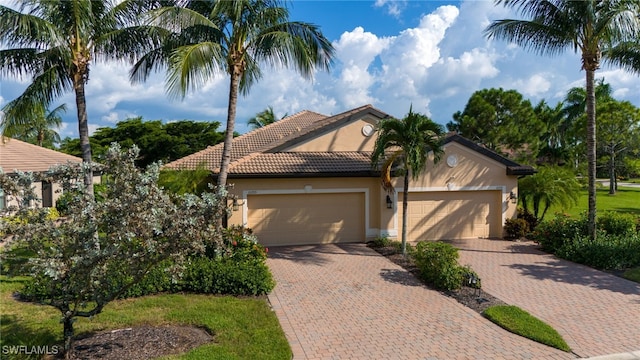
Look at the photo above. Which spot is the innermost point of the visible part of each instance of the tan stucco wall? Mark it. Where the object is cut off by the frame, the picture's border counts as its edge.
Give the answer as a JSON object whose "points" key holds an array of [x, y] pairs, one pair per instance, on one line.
{"points": [[345, 138]]}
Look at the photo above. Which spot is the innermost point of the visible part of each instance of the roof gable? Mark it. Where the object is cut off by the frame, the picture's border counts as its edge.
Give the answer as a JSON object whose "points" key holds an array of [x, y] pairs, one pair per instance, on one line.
{"points": [[22, 156]]}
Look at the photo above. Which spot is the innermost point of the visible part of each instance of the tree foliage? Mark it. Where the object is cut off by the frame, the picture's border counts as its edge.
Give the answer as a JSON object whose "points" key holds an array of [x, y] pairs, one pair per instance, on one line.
{"points": [[235, 37], [102, 248], [550, 186], [55, 42], [263, 118], [598, 30], [502, 121], [38, 130], [156, 141], [406, 145]]}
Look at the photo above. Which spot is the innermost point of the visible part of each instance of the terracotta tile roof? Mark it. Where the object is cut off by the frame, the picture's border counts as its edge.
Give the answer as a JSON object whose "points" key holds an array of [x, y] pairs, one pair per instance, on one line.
{"points": [[305, 163], [19, 155], [250, 142]]}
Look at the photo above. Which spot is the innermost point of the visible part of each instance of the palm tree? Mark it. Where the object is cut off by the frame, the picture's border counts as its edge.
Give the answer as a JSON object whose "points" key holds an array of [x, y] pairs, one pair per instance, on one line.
{"points": [[550, 186], [407, 144], [234, 37], [599, 30], [38, 129], [263, 118], [56, 41]]}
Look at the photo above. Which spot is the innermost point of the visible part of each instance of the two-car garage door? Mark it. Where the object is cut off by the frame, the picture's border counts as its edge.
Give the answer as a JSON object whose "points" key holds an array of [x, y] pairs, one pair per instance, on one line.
{"points": [[296, 219], [453, 215]]}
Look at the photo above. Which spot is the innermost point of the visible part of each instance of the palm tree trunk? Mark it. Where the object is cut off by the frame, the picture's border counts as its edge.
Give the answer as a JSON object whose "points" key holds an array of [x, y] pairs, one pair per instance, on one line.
{"points": [[591, 151], [405, 212], [612, 170], [231, 121], [83, 128]]}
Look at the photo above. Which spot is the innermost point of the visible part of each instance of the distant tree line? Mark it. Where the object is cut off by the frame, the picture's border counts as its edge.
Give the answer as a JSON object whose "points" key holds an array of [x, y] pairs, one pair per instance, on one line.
{"points": [[157, 141]]}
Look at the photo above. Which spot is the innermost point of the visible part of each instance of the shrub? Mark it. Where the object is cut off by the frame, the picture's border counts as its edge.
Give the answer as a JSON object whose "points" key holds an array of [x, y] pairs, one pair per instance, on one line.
{"points": [[527, 216], [615, 223], [516, 228], [562, 229], [438, 264], [381, 241], [606, 252], [227, 276]]}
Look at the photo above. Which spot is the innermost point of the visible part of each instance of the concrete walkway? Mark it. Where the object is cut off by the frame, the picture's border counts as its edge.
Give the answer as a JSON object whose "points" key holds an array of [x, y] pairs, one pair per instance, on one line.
{"points": [[595, 312], [348, 302]]}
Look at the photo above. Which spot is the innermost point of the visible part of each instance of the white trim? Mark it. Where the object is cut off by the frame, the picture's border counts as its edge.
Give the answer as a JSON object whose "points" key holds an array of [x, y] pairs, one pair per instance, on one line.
{"points": [[398, 190], [309, 190]]}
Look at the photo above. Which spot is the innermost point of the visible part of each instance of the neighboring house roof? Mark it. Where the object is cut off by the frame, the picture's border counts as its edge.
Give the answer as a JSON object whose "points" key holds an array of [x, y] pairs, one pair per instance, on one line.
{"points": [[263, 152], [22, 156]]}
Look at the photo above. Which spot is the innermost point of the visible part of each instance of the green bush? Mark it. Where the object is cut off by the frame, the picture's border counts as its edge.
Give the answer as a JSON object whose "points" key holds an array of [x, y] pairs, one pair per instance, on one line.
{"points": [[606, 252], [615, 223], [516, 228], [555, 233], [531, 219], [227, 276], [438, 264]]}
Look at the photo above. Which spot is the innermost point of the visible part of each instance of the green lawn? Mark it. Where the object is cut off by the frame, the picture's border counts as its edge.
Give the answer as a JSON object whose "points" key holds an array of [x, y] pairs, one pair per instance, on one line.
{"points": [[520, 322], [243, 328], [625, 200]]}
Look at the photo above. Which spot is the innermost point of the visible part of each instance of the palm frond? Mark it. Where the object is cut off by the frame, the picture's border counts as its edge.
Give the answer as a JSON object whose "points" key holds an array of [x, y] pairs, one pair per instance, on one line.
{"points": [[191, 66]]}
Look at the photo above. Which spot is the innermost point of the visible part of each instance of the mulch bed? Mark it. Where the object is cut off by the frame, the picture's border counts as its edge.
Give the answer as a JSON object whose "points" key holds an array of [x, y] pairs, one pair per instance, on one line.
{"points": [[139, 343], [475, 299]]}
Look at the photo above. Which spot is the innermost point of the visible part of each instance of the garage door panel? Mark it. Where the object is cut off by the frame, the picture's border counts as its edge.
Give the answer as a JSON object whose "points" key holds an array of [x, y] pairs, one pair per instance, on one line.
{"points": [[453, 215], [290, 219]]}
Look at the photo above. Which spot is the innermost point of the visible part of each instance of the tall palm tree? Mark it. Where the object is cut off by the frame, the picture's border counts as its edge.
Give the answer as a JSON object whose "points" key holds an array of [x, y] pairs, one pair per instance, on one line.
{"points": [[263, 118], [234, 37], [56, 42], [406, 144], [38, 129], [598, 30]]}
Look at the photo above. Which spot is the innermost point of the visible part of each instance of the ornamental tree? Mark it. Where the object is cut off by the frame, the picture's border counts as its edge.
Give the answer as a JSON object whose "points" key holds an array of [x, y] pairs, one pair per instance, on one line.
{"points": [[102, 248]]}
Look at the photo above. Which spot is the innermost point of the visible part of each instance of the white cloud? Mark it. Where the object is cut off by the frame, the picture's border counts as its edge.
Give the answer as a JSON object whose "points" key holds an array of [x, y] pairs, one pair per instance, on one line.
{"points": [[393, 7], [535, 85]]}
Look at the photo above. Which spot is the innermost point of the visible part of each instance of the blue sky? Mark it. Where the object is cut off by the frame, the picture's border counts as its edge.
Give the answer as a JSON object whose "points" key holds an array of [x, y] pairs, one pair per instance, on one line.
{"points": [[392, 54]]}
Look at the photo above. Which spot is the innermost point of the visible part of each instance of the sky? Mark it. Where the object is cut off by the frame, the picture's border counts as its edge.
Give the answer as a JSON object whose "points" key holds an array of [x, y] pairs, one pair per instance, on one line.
{"points": [[428, 55]]}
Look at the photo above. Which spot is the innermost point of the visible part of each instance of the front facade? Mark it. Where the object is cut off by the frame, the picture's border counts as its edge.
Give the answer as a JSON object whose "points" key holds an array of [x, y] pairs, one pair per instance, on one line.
{"points": [[308, 179]]}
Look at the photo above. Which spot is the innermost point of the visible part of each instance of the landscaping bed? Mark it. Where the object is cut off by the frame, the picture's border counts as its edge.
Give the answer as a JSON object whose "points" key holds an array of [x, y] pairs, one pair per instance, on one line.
{"points": [[475, 299]]}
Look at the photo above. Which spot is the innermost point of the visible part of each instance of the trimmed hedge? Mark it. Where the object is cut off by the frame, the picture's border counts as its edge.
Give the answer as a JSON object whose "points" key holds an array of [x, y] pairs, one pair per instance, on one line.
{"points": [[438, 264]]}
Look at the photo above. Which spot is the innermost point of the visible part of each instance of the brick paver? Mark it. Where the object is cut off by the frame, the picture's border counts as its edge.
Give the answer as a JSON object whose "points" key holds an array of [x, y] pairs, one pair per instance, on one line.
{"points": [[348, 302], [595, 312]]}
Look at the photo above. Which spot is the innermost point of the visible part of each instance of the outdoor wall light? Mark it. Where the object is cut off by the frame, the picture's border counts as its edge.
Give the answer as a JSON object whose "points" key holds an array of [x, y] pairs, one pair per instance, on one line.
{"points": [[389, 202], [236, 204], [513, 197]]}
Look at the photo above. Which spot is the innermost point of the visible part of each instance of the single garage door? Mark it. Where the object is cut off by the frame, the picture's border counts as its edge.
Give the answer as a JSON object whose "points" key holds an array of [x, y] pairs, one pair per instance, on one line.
{"points": [[453, 215], [296, 219]]}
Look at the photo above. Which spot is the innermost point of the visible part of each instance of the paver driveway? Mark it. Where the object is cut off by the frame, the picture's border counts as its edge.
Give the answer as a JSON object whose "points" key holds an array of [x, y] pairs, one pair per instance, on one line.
{"points": [[348, 302], [595, 312]]}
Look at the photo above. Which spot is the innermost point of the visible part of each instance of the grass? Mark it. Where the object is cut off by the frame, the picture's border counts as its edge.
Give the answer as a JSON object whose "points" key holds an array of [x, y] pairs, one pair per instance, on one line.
{"points": [[625, 200], [632, 274], [520, 322], [243, 328]]}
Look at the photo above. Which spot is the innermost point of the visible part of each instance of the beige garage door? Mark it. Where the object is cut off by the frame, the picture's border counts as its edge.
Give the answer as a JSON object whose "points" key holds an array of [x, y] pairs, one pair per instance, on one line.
{"points": [[307, 218], [453, 215]]}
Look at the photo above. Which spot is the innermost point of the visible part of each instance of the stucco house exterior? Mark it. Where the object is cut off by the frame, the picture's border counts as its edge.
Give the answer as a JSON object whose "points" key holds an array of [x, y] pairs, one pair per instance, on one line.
{"points": [[308, 179], [25, 157]]}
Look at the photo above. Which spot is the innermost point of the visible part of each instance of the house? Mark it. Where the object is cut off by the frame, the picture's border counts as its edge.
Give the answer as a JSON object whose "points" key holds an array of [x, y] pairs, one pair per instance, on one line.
{"points": [[21, 156], [308, 179]]}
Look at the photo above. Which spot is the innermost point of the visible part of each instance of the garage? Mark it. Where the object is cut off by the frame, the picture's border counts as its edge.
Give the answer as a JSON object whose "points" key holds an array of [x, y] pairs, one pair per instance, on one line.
{"points": [[298, 219], [443, 215]]}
